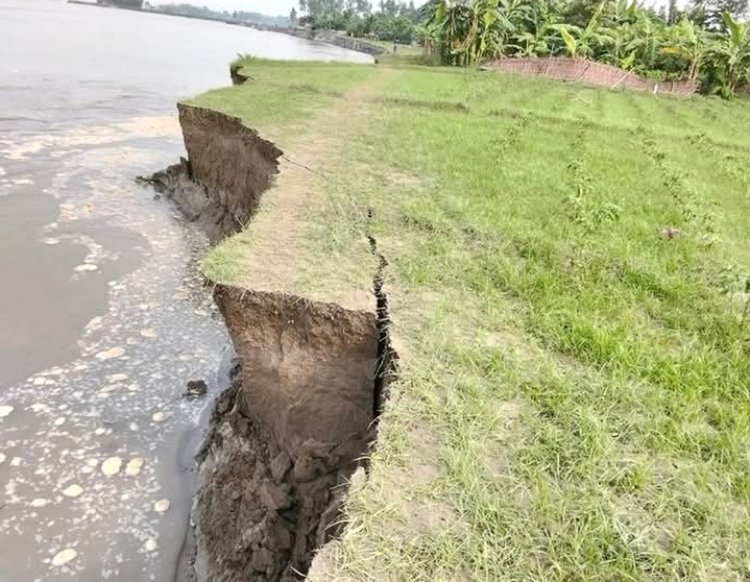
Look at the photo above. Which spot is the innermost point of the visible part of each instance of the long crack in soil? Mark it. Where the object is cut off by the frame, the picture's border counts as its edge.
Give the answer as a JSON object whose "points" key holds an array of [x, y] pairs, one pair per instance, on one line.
{"points": [[387, 357]]}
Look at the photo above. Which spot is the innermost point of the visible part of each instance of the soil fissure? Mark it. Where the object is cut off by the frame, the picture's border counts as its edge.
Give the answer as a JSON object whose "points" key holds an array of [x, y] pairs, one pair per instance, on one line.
{"points": [[387, 357]]}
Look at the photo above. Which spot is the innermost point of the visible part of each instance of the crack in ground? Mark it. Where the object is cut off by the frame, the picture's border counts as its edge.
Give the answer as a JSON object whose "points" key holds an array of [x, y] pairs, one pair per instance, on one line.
{"points": [[386, 361]]}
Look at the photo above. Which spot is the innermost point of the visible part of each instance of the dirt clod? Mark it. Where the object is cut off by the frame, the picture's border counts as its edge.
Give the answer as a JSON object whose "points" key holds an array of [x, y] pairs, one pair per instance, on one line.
{"points": [[275, 498], [262, 560], [279, 466], [196, 389], [304, 468]]}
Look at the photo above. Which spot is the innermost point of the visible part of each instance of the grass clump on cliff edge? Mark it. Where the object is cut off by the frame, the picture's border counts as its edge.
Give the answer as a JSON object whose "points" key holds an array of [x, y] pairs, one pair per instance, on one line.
{"points": [[568, 274]]}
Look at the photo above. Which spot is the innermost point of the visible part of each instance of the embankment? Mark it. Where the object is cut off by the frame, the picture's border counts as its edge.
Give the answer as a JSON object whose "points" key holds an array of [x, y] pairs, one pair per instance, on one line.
{"points": [[308, 385], [334, 37]]}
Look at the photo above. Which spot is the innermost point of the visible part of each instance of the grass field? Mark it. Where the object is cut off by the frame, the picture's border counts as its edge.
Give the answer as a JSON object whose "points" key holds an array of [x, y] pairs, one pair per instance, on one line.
{"points": [[568, 272]]}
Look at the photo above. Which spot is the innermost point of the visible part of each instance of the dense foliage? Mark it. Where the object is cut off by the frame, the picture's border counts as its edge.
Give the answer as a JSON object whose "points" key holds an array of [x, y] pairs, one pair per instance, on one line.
{"points": [[393, 21], [671, 44]]}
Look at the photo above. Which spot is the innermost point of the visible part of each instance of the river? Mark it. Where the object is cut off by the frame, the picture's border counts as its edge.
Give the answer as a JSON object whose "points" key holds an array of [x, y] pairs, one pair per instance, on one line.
{"points": [[104, 317]]}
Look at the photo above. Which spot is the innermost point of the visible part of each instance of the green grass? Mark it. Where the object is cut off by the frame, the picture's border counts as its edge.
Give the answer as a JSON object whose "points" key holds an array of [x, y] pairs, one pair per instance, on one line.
{"points": [[581, 377], [281, 96]]}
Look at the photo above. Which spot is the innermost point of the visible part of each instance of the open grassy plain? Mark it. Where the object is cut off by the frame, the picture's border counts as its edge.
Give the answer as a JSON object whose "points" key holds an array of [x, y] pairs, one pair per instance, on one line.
{"points": [[568, 275]]}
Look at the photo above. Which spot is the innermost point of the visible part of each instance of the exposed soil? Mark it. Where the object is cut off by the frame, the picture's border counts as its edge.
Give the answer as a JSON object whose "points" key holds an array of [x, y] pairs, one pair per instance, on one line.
{"points": [[229, 166], [286, 438], [309, 382]]}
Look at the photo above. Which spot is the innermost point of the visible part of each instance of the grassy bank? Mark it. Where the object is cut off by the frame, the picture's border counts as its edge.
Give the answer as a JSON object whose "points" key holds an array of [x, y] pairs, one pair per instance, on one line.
{"points": [[568, 273]]}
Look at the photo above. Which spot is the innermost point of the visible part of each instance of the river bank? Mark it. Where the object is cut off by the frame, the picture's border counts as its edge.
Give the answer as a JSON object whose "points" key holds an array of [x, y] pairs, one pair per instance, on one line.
{"points": [[536, 275], [336, 38]]}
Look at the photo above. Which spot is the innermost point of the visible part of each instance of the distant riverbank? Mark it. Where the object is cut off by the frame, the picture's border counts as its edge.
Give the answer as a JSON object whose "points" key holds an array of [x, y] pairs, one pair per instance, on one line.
{"points": [[333, 37]]}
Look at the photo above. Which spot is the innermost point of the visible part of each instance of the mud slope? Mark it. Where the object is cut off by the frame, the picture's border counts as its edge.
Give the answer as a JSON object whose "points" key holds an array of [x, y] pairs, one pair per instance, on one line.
{"points": [[308, 383], [229, 166]]}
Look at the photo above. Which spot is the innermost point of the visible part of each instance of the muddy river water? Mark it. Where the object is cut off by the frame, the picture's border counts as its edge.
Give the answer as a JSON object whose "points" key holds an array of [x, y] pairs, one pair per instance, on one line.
{"points": [[104, 317]]}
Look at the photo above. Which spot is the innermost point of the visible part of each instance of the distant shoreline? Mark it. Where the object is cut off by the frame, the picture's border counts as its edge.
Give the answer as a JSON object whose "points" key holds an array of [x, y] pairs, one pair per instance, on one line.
{"points": [[165, 13], [331, 37]]}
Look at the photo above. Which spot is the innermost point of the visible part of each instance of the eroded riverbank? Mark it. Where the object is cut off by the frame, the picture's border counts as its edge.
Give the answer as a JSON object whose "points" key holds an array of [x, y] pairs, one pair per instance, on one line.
{"points": [[309, 384]]}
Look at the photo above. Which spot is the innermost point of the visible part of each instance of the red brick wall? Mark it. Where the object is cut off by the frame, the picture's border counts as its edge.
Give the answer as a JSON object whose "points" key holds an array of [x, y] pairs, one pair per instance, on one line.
{"points": [[591, 72]]}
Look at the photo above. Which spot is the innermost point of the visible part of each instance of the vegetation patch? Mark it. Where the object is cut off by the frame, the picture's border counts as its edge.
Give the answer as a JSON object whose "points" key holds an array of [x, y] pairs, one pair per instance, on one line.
{"points": [[568, 294], [706, 43]]}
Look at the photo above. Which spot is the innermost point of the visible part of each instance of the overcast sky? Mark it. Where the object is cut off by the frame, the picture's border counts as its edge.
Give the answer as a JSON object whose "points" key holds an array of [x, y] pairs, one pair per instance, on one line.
{"points": [[276, 7]]}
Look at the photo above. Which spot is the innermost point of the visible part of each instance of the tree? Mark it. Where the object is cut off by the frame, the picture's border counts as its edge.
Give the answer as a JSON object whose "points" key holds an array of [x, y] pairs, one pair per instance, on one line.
{"points": [[687, 41], [673, 15], [468, 32], [359, 8], [389, 8], [709, 13], [321, 10]]}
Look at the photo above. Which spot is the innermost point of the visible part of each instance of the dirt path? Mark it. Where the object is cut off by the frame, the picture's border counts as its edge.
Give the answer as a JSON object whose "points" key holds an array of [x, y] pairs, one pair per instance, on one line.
{"points": [[279, 259]]}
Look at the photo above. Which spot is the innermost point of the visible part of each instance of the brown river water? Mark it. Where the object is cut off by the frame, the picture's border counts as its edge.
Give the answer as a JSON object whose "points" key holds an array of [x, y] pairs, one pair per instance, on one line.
{"points": [[104, 317]]}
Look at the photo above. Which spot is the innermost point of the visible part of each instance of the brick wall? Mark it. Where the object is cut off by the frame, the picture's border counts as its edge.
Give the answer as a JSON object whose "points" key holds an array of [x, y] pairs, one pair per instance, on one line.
{"points": [[591, 72]]}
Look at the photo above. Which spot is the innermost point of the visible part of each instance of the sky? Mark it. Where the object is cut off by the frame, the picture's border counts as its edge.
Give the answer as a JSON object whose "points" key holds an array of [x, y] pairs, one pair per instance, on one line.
{"points": [[283, 7]]}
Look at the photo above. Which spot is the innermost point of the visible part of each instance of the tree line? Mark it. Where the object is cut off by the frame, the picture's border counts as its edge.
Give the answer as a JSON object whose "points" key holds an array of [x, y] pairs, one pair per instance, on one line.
{"points": [[387, 20], [708, 42]]}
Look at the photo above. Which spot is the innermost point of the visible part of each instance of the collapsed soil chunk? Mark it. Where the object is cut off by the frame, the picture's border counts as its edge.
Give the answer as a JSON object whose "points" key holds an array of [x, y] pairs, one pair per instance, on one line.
{"points": [[295, 425], [229, 166]]}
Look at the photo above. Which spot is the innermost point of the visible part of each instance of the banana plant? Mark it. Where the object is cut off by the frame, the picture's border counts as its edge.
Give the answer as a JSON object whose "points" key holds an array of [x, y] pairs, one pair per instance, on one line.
{"points": [[582, 42], [732, 55], [537, 43], [450, 25], [471, 31], [489, 18], [646, 41], [687, 41], [571, 42]]}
